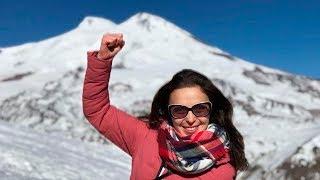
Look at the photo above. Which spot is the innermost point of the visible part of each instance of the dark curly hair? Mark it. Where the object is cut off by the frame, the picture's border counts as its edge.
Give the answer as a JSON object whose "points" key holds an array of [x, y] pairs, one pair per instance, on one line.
{"points": [[221, 114]]}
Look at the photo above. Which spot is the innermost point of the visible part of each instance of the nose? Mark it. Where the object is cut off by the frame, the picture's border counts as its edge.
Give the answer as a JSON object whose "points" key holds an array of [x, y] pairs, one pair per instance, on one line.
{"points": [[190, 118]]}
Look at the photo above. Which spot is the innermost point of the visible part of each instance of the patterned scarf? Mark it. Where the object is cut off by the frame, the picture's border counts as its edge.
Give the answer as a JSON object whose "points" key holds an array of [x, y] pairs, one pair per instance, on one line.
{"points": [[195, 153]]}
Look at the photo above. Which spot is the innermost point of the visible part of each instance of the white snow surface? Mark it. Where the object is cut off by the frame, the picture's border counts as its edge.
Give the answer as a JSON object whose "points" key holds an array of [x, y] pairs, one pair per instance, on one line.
{"points": [[307, 154], [41, 86], [26, 154]]}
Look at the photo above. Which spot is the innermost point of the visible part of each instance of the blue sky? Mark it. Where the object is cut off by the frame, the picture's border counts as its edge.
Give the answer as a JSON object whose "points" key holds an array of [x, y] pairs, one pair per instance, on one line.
{"points": [[279, 34]]}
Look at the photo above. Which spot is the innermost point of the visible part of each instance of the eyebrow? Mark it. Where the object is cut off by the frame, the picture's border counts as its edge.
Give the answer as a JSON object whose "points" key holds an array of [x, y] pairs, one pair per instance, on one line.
{"points": [[187, 106]]}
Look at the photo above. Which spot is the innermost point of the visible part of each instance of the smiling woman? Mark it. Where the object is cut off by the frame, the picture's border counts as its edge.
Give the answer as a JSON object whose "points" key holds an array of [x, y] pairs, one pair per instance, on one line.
{"points": [[184, 121], [189, 132]]}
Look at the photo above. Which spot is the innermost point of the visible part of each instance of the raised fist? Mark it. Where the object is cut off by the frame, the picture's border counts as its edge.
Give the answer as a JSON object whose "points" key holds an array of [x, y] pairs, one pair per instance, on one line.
{"points": [[111, 44]]}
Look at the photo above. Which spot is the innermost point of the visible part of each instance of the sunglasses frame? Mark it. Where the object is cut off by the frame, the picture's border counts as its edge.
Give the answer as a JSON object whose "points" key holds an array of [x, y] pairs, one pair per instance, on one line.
{"points": [[189, 109]]}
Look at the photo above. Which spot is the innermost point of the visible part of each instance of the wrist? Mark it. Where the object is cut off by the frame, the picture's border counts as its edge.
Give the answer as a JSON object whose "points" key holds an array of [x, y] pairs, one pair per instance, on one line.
{"points": [[104, 56], [101, 56]]}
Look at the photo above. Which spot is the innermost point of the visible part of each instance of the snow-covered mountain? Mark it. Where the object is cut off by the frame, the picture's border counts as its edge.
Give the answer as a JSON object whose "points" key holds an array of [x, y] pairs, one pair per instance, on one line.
{"points": [[41, 86]]}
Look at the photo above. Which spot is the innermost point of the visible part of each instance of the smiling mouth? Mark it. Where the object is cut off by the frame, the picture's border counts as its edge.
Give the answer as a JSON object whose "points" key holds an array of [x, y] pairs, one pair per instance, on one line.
{"points": [[191, 129]]}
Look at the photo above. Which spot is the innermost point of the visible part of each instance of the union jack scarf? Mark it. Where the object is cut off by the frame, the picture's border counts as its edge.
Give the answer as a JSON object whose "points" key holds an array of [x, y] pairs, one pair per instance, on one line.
{"points": [[192, 154]]}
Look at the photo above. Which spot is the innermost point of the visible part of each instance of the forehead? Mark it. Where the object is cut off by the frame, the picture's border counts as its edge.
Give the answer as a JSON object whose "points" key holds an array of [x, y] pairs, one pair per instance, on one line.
{"points": [[188, 96]]}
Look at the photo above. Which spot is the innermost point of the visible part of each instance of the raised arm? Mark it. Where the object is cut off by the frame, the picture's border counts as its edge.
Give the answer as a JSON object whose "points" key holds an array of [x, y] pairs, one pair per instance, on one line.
{"points": [[119, 127]]}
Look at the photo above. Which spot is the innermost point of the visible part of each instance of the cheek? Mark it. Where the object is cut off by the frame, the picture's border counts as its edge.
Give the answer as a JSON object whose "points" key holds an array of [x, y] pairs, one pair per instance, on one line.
{"points": [[205, 120], [204, 123], [176, 124]]}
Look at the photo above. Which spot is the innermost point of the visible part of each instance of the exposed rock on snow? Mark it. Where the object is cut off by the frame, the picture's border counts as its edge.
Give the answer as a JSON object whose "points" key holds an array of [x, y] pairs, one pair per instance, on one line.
{"points": [[41, 87]]}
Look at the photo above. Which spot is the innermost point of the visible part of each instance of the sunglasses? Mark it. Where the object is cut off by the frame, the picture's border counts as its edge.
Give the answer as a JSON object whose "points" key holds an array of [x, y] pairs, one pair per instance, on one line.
{"points": [[178, 111]]}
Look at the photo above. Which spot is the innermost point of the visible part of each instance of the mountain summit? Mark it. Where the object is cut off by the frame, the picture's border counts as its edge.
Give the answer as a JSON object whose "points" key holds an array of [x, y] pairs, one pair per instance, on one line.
{"points": [[41, 86]]}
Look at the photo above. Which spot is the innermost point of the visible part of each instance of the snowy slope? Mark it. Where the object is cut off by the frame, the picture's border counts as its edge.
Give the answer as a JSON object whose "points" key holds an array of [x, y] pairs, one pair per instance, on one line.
{"points": [[303, 164], [41, 85], [26, 154]]}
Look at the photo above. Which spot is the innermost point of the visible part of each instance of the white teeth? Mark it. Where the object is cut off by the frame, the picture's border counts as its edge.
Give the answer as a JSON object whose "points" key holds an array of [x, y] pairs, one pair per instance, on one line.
{"points": [[191, 128]]}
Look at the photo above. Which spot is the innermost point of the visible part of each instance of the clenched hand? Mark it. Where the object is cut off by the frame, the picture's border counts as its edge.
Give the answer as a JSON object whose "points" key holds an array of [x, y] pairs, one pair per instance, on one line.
{"points": [[111, 44]]}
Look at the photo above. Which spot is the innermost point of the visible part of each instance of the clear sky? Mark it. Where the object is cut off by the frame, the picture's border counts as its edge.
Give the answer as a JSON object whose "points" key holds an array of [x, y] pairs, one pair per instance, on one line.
{"points": [[279, 34]]}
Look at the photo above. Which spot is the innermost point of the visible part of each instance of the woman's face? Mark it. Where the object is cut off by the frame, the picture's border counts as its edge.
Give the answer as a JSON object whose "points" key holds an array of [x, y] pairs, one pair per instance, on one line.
{"points": [[189, 96]]}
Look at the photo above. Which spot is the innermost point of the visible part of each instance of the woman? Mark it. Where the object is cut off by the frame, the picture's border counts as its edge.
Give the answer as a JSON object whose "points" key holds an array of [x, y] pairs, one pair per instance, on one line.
{"points": [[189, 133]]}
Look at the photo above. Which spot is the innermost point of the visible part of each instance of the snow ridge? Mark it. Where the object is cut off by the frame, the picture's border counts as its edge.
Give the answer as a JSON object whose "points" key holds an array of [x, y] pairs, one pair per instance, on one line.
{"points": [[41, 85]]}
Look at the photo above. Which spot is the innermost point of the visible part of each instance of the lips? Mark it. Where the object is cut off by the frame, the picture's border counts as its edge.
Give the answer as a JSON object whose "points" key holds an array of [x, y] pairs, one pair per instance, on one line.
{"points": [[190, 130]]}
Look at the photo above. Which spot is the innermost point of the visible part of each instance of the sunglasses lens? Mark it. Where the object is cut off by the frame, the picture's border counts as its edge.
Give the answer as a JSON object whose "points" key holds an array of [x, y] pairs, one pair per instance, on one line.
{"points": [[178, 111], [201, 110]]}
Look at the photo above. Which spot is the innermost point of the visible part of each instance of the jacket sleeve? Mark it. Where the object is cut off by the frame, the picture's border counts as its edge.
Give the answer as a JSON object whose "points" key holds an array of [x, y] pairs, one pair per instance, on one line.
{"points": [[116, 125]]}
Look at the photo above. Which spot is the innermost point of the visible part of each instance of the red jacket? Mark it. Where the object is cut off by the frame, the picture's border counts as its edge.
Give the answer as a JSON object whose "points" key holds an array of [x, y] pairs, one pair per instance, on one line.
{"points": [[127, 132]]}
